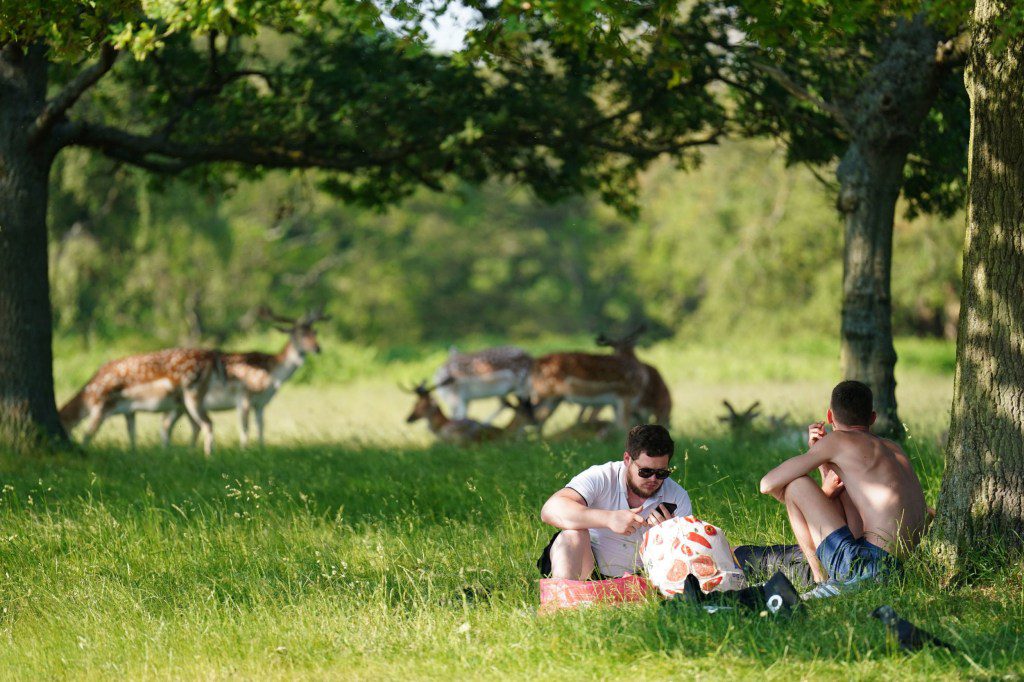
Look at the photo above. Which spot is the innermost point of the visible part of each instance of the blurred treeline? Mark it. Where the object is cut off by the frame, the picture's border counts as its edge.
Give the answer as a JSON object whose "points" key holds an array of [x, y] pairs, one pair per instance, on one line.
{"points": [[741, 246]]}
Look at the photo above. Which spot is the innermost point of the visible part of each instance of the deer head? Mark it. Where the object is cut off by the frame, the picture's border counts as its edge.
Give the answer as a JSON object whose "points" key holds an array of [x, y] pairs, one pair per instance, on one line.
{"points": [[626, 344], [300, 331], [424, 405]]}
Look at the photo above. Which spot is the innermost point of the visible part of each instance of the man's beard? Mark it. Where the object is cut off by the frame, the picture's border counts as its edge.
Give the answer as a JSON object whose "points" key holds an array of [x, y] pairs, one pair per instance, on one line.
{"points": [[638, 491]]}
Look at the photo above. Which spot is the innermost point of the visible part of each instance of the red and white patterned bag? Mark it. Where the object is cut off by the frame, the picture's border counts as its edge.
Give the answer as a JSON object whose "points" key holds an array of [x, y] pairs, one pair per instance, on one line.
{"points": [[680, 546]]}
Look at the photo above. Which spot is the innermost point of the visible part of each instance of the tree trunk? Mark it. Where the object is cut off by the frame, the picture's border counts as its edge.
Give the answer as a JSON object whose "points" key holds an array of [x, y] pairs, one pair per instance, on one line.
{"points": [[884, 120], [867, 353], [28, 417], [981, 504]]}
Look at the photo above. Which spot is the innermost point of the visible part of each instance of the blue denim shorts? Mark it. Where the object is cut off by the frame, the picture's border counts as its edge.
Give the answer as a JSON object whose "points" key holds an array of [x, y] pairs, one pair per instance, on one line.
{"points": [[846, 558]]}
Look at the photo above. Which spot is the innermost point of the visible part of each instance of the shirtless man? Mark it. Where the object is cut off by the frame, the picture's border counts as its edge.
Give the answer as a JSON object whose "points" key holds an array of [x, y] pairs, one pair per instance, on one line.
{"points": [[869, 511]]}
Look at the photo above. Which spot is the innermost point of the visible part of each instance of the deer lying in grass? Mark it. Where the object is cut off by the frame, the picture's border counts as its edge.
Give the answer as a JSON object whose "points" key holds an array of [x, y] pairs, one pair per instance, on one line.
{"points": [[463, 431], [590, 380], [489, 373], [178, 378], [251, 380]]}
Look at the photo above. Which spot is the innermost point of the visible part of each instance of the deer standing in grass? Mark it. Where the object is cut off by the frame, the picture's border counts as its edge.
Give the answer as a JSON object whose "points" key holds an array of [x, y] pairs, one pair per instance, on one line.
{"points": [[463, 431], [250, 380], [177, 378], [590, 380], [489, 373], [655, 403]]}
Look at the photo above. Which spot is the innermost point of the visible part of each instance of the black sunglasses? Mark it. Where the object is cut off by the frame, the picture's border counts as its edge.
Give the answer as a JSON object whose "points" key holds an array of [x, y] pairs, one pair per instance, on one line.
{"points": [[660, 474]]}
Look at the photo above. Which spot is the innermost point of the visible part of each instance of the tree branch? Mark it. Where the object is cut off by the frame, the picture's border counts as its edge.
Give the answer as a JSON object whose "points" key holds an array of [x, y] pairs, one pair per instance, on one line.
{"points": [[639, 150], [66, 98], [161, 154], [801, 93]]}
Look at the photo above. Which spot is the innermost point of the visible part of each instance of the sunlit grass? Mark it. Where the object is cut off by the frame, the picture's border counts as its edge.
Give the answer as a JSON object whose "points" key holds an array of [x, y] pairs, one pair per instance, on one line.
{"points": [[354, 548]]}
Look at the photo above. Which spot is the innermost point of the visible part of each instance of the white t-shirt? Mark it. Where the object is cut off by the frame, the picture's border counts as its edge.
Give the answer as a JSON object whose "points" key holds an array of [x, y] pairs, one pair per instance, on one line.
{"points": [[603, 486]]}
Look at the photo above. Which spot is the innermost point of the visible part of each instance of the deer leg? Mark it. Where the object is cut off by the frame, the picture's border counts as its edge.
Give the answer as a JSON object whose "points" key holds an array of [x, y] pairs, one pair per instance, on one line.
{"points": [[129, 420], [243, 422], [623, 412], [194, 406], [167, 426], [96, 417], [543, 410], [501, 408], [259, 423]]}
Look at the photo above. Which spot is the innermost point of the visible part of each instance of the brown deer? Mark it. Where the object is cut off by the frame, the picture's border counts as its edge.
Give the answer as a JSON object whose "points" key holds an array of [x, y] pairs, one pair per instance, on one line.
{"points": [[251, 379], [590, 380], [177, 378], [464, 431], [655, 402]]}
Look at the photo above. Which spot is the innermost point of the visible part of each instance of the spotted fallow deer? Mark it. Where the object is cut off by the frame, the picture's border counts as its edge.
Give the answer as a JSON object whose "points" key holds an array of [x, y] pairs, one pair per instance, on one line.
{"points": [[489, 373], [591, 380], [177, 378], [655, 402], [251, 379], [463, 431]]}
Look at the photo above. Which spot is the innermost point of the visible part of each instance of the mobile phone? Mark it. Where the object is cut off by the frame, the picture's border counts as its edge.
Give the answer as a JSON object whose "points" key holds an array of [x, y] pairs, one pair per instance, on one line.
{"points": [[670, 507]]}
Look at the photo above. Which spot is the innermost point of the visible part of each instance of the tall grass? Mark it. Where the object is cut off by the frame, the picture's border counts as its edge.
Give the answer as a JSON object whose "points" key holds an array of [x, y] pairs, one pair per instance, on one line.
{"points": [[360, 562], [352, 547]]}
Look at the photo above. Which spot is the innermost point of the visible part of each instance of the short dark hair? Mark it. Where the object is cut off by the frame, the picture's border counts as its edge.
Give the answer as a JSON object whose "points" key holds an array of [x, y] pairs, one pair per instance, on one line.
{"points": [[852, 403], [650, 438]]}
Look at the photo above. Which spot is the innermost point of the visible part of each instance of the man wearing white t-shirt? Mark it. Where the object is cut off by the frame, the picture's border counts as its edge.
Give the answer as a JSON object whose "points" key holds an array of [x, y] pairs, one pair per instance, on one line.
{"points": [[604, 511]]}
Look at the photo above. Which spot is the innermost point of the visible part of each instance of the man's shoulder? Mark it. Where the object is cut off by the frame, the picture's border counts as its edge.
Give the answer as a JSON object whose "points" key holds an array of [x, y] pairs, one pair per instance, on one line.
{"points": [[604, 472], [672, 489]]}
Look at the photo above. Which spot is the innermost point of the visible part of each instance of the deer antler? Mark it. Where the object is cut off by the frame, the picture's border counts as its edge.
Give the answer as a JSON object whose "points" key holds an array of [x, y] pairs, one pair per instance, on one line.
{"points": [[739, 420], [419, 389], [631, 338], [315, 315], [265, 313], [627, 341]]}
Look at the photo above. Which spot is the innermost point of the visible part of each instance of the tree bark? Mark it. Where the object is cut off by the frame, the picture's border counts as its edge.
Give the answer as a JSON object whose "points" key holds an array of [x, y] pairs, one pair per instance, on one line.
{"points": [[28, 416], [883, 122], [981, 503]]}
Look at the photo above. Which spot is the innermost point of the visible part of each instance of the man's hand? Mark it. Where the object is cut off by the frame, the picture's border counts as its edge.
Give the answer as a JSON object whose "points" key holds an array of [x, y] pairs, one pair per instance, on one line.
{"points": [[659, 515], [815, 432], [625, 521], [831, 484]]}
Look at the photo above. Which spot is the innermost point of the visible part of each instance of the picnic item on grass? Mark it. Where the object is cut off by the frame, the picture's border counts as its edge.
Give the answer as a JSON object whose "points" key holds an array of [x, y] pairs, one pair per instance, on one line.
{"points": [[559, 593], [683, 546], [775, 597]]}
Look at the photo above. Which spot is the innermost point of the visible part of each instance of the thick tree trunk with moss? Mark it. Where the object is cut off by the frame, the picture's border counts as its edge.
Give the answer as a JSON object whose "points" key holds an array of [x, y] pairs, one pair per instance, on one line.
{"points": [[981, 504], [28, 417], [884, 120]]}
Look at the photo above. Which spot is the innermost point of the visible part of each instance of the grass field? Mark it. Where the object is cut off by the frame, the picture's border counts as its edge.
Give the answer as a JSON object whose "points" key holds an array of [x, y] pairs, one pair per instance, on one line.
{"points": [[352, 547]]}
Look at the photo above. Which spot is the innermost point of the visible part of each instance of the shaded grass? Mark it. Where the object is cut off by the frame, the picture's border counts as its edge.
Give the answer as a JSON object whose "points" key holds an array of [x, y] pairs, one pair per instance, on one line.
{"points": [[361, 561], [352, 547]]}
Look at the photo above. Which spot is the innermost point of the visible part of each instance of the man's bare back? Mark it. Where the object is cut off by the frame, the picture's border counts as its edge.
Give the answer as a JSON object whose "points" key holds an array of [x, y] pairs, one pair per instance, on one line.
{"points": [[869, 510], [879, 489]]}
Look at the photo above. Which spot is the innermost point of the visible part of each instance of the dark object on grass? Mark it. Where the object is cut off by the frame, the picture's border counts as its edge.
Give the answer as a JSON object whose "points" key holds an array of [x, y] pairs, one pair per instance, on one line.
{"points": [[909, 636], [776, 596], [761, 561], [779, 594]]}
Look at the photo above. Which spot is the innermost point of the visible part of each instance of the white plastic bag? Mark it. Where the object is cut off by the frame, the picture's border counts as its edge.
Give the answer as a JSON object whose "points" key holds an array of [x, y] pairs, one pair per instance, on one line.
{"points": [[680, 546]]}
